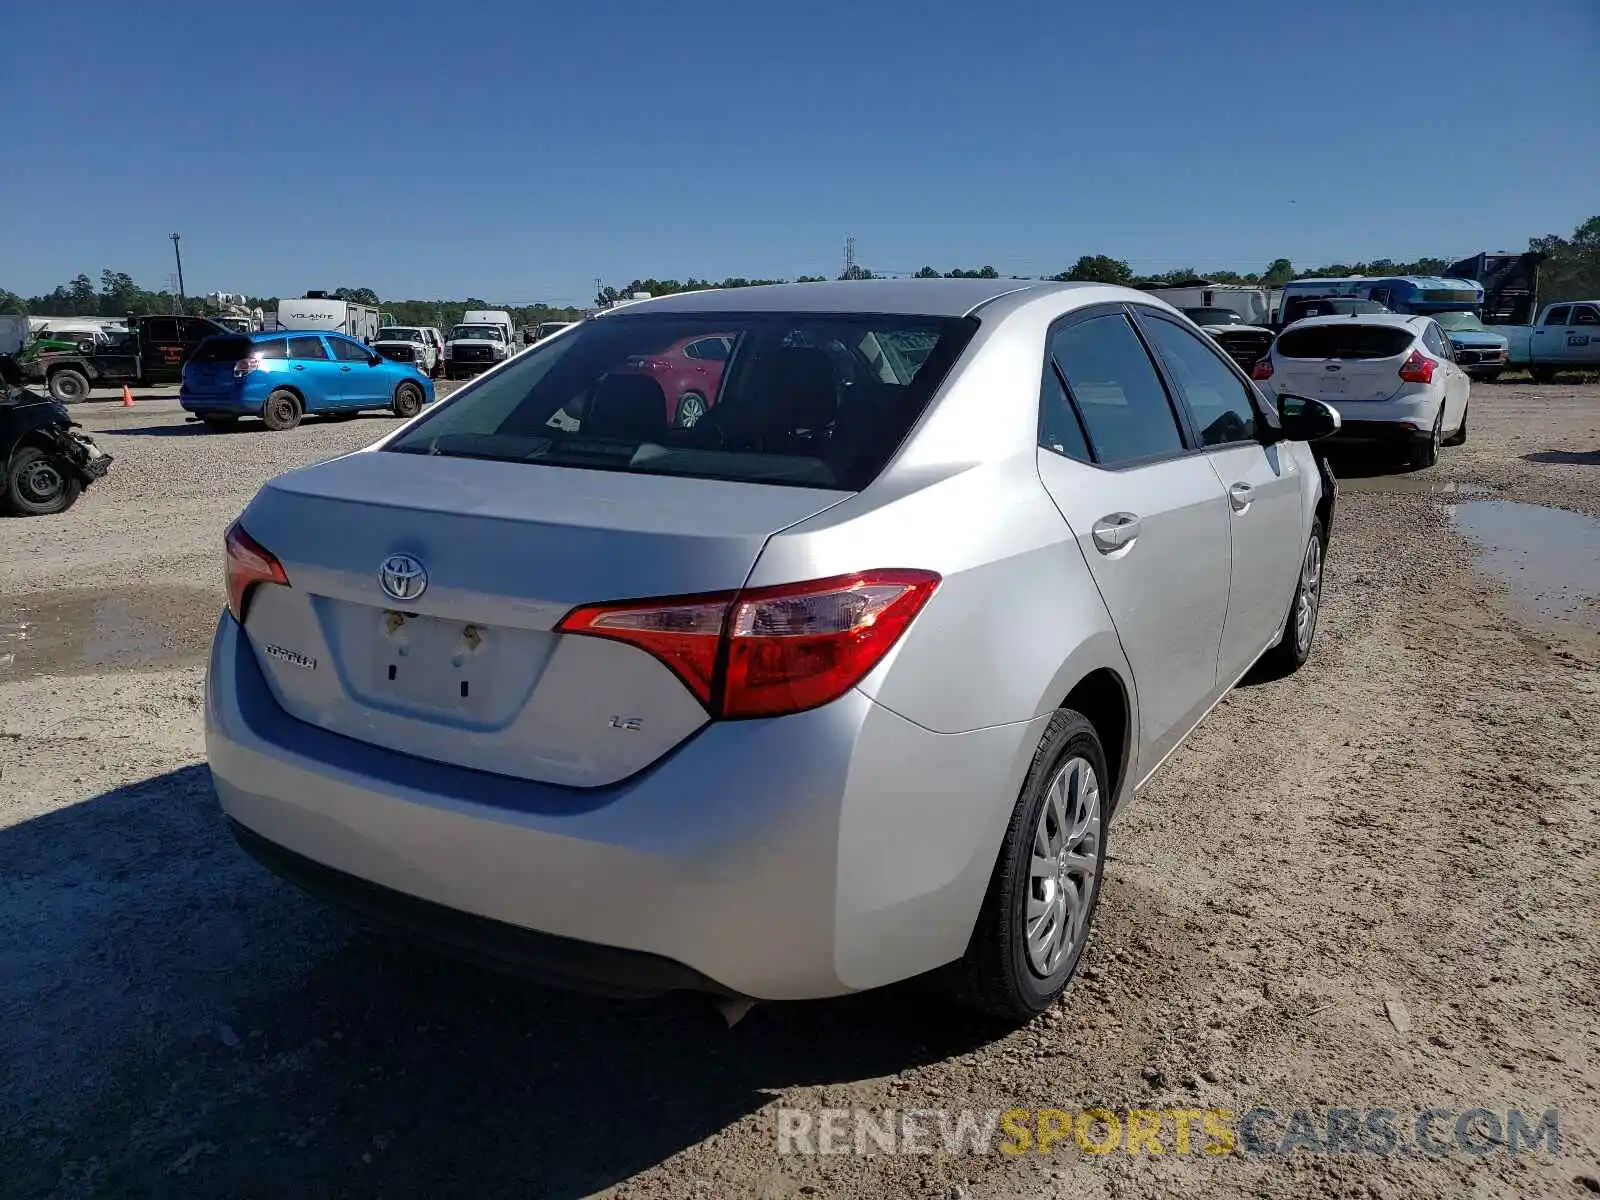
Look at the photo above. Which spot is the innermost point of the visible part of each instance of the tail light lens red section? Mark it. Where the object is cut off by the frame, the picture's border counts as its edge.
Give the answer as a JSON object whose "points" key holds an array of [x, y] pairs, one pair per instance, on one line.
{"points": [[764, 652], [246, 563], [1262, 369], [1418, 368], [246, 365]]}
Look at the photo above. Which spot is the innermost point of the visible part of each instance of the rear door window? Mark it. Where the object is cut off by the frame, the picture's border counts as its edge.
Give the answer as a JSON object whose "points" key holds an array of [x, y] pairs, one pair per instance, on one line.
{"points": [[1217, 397], [307, 348], [1435, 342], [1116, 390], [1344, 340], [807, 400], [1585, 314], [162, 329]]}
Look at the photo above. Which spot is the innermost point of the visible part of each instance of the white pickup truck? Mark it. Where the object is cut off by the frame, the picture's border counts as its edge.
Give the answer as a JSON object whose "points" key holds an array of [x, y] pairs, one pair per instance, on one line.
{"points": [[1566, 337]]}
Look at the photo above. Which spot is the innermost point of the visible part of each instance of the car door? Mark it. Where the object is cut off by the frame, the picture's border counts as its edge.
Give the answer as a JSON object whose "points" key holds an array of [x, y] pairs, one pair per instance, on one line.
{"points": [[1449, 373], [1548, 341], [1263, 486], [1147, 513], [1581, 340], [361, 384], [160, 349], [313, 371]]}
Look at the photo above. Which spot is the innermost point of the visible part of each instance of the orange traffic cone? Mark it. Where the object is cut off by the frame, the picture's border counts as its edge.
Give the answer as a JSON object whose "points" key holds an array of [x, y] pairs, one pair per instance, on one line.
{"points": [[127, 397]]}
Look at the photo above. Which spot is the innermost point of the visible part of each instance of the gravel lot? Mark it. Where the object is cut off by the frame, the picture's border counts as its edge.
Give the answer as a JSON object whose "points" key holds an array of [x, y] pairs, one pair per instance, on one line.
{"points": [[1373, 884]]}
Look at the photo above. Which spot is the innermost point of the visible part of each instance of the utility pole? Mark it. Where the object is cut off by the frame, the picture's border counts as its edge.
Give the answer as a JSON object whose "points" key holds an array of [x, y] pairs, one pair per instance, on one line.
{"points": [[183, 302], [849, 271]]}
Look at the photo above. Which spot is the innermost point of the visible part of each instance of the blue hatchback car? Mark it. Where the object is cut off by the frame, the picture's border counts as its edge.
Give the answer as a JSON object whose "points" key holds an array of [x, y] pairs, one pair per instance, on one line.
{"points": [[282, 376]]}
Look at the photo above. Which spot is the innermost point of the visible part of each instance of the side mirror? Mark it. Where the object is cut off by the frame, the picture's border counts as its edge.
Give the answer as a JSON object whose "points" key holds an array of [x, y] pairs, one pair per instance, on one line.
{"points": [[1306, 420], [374, 359]]}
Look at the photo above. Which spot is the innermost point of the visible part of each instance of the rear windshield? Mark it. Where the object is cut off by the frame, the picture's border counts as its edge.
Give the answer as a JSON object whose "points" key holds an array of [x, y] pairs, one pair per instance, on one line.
{"points": [[1213, 316], [388, 334], [222, 349], [802, 399], [1344, 341]]}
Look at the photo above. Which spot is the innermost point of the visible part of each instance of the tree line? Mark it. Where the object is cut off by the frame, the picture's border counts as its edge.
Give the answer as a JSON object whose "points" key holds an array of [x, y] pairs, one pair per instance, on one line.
{"points": [[1571, 271]]}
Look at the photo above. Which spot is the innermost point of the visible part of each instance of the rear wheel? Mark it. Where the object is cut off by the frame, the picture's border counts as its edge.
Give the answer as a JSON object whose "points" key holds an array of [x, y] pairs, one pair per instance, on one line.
{"points": [[1425, 454], [1542, 374], [691, 407], [407, 400], [37, 484], [69, 385], [282, 410], [1036, 916], [1459, 437]]}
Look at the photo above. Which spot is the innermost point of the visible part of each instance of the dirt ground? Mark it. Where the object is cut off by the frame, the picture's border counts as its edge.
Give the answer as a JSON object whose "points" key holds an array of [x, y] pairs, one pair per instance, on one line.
{"points": [[1371, 885]]}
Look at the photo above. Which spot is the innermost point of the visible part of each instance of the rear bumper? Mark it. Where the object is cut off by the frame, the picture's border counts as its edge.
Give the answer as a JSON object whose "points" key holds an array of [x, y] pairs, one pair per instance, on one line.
{"points": [[228, 403], [1395, 422], [806, 856]]}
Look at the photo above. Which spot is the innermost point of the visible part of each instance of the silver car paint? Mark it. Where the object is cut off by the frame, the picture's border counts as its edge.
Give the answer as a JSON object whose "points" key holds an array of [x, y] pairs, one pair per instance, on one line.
{"points": [[806, 855]]}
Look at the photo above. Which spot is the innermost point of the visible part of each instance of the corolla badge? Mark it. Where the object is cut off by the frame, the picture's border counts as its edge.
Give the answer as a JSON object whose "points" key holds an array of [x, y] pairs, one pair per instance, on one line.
{"points": [[402, 577]]}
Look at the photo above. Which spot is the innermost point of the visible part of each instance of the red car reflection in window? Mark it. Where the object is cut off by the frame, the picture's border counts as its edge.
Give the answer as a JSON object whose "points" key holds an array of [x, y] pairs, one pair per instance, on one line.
{"points": [[689, 372]]}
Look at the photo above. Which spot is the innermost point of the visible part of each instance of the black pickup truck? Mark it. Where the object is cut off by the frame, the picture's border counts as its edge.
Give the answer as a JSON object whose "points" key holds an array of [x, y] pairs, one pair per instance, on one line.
{"points": [[151, 353]]}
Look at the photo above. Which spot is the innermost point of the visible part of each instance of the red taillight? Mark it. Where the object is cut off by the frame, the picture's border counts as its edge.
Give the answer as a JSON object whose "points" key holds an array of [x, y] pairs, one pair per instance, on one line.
{"points": [[768, 651], [245, 365], [1418, 368], [1262, 369], [246, 563]]}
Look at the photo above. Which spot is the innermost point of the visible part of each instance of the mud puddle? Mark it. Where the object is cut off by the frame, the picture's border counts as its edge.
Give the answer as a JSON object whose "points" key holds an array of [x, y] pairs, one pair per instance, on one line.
{"points": [[91, 630], [1549, 557], [1413, 485]]}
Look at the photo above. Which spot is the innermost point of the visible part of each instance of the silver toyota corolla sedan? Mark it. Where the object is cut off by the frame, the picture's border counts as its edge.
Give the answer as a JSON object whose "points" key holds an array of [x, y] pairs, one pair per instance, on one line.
{"points": [[838, 680]]}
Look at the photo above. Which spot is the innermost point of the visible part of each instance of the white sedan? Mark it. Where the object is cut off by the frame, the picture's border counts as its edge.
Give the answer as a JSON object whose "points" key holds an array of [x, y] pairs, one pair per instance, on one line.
{"points": [[1393, 378]]}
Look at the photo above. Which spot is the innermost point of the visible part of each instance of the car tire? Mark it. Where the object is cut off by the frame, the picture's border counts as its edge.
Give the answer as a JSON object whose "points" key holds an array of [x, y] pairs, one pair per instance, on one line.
{"points": [[220, 423], [407, 400], [37, 485], [1459, 437], [1300, 627], [691, 407], [1426, 454], [1542, 374], [69, 385], [1489, 376], [282, 410], [1005, 973]]}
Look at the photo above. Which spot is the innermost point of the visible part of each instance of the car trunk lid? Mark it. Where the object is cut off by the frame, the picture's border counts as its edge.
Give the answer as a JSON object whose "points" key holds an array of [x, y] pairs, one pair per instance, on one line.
{"points": [[1342, 361], [469, 670]]}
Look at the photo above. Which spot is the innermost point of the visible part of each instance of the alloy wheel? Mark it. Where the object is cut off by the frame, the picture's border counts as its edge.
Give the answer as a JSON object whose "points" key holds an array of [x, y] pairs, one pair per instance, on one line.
{"points": [[1062, 875], [1309, 600]]}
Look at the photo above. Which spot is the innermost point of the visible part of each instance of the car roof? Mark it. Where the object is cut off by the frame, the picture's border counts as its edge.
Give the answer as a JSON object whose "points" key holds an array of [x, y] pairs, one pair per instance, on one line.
{"points": [[907, 297], [1410, 321]]}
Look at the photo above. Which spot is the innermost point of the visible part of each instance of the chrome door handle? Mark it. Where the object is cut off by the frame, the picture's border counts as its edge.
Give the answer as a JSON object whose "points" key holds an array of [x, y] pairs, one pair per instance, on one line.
{"points": [[1240, 495], [1114, 532]]}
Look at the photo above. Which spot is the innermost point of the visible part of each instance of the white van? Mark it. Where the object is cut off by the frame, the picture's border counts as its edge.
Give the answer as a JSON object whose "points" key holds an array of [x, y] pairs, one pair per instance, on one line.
{"points": [[483, 339]]}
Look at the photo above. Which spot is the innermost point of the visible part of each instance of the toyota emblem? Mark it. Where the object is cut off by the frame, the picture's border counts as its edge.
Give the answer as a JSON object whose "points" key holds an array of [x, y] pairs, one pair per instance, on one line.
{"points": [[402, 577]]}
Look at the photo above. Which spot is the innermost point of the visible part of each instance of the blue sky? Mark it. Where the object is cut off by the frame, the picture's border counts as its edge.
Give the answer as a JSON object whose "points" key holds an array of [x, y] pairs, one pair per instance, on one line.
{"points": [[515, 151]]}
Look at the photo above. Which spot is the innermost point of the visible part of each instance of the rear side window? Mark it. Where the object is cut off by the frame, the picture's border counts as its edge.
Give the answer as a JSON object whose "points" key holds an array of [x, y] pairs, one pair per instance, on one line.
{"points": [[1059, 428], [1435, 341], [1345, 341], [1584, 314], [1115, 388], [273, 349], [812, 400], [307, 348], [222, 349], [1559, 316]]}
